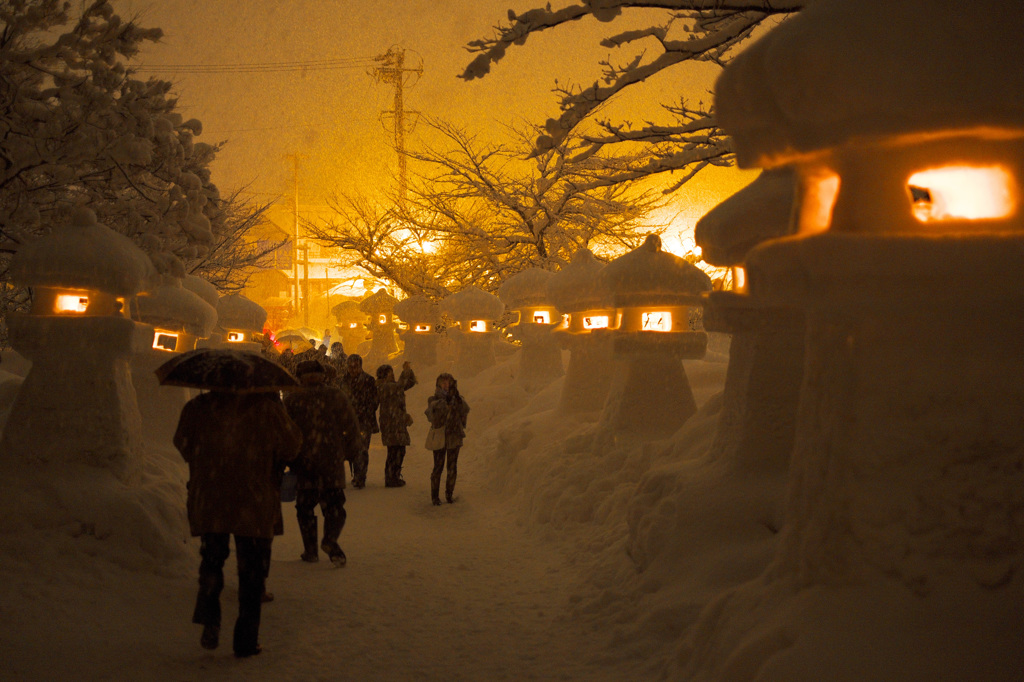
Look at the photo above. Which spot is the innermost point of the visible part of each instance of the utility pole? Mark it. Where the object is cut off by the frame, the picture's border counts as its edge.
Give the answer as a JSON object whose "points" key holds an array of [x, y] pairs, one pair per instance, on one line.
{"points": [[393, 71], [298, 300]]}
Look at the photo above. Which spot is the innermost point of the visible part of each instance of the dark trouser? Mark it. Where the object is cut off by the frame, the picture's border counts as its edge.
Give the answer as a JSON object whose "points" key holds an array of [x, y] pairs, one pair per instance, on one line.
{"points": [[393, 465], [361, 462], [452, 455], [332, 506], [253, 558]]}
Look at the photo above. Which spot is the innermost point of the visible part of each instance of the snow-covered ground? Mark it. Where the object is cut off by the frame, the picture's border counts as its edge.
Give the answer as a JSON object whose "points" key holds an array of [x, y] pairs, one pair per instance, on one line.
{"points": [[527, 576]]}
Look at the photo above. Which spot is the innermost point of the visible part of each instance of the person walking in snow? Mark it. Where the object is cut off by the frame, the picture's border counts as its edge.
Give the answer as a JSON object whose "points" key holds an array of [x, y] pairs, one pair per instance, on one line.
{"points": [[234, 443], [362, 391], [330, 435], [447, 412], [394, 420]]}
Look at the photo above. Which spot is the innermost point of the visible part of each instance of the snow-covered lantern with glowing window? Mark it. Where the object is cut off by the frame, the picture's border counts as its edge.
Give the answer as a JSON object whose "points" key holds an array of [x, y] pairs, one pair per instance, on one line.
{"points": [[180, 318], [418, 329], [586, 313], [239, 324], [762, 386], [525, 295], [905, 122], [379, 307], [77, 404], [475, 313], [656, 294], [351, 328]]}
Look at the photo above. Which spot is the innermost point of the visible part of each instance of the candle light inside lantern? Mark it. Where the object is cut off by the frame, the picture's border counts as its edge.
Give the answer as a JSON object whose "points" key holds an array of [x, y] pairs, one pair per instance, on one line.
{"points": [[595, 322], [656, 321], [71, 303], [961, 193], [236, 337]]}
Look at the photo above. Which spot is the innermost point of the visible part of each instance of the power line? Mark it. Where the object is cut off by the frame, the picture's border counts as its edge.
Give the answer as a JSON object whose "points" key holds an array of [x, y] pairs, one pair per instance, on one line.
{"points": [[260, 67]]}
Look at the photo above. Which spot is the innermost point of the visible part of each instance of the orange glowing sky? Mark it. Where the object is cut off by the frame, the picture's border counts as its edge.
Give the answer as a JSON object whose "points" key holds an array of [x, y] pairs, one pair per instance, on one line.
{"points": [[331, 117]]}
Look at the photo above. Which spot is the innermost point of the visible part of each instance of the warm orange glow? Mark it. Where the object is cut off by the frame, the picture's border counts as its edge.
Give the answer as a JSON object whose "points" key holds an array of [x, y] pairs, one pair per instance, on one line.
{"points": [[236, 337], [71, 303], [962, 193], [595, 322], [656, 322], [382, 319], [819, 198], [739, 279], [353, 325], [542, 317], [478, 326], [422, 328], [165, 340]]}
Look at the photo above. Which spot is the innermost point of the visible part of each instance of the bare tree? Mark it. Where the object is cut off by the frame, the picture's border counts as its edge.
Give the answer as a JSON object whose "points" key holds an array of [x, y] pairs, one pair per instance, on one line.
{"points": [[706, 31]]}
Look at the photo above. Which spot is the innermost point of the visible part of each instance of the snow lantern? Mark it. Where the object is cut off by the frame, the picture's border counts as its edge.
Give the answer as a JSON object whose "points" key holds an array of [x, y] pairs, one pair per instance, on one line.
{"points": [[77, 404], [475, 312], [540, 360], [352, 325], [758, 416], [420, 317], [586, 311], [655, 294], [379, 307], [906, 126], [239, 324]]}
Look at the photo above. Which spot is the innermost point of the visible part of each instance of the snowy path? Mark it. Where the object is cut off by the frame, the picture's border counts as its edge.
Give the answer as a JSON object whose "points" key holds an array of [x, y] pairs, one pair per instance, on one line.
{"points": [[456, 592]]}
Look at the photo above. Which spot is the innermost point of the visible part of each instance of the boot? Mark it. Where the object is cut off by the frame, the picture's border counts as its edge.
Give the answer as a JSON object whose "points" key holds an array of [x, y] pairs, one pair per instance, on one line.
{"points": [[308, 530]]}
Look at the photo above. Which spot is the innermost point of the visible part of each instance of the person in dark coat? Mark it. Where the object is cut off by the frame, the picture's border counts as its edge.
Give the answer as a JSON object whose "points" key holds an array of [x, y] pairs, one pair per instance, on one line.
{"points": [[446, 410], [362, 391], [330, 435], [234, 443], [394, 420]]}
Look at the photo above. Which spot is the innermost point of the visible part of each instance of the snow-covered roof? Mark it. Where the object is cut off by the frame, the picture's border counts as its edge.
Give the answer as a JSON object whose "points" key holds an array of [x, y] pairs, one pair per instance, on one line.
{"points": [[348, 310], [378, 302], [172, 305], [472, 303], [648, 275], [841, 70], [235, 311], [577, 286], [418, 310], [526, 288], [760, 211], [201, 288], [84, 254]]}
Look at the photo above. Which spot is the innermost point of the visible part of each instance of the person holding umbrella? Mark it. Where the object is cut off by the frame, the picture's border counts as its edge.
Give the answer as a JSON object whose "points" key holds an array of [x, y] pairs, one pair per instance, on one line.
{"points": [[236, 438]]}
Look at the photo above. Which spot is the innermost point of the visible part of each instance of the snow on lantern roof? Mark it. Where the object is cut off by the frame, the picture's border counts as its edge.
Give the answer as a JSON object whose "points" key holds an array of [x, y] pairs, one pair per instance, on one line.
{"points": [[418, 310], [526, 288], [648, 275], [378, 302], [348, 310], [843, 70], [202, 288], [577, 286], [472, 303], [172, 305], [760, 211], [84, 254], [235, 311]]}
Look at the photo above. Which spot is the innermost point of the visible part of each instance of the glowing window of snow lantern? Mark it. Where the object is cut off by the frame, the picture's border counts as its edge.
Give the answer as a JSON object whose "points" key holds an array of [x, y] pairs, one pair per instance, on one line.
{"points": [[382, 319], [595, 322], [353, 325], [656, 322], [478, 325], [165, 340], [961, 193], [565, 320], [542, 317], [236, 337], [739, 279], [71, 303], [423, 327], [817, 201]]}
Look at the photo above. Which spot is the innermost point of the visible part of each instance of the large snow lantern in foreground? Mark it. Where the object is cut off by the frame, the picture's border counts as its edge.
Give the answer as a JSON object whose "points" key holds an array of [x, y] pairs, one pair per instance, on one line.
{"points": [[180, 318], [351, 328], [240, 323], [909, 455], [655, 295], [762, 387], [586, 314], [420, 317], [379, 307], [540, 360], [77, 403], [475, 312]]}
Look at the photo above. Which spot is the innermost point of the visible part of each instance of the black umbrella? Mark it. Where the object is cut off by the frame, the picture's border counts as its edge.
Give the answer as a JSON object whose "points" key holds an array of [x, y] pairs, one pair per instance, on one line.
{"points": [[225, 369]]}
